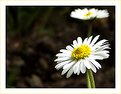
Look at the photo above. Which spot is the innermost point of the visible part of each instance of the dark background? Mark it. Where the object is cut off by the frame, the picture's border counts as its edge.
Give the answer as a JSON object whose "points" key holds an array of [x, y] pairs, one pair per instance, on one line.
{"points": [[34, 35]]}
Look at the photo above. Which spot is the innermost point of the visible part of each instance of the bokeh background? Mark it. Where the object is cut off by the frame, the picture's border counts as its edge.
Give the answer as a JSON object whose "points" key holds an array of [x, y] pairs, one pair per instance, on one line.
{"points": [[34, 35]]}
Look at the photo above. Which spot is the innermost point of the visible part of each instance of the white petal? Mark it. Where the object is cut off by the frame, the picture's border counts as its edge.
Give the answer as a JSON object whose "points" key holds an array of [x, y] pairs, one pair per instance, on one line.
{"points": [[66, 69], [95, 63], [60, 65], [102, 14], [76, 67], [98, 44], [92, 67], [94, 40], [85, 41], [63, 55], [62, 59], [82, 67], [69, 48], [68, 65], [86, 63], [89, 40], [65, 51], [103, 47], [96, 57], [69, 73], [79, 40], [103, 54], [75, 44], [78, 72], [100, 52]]}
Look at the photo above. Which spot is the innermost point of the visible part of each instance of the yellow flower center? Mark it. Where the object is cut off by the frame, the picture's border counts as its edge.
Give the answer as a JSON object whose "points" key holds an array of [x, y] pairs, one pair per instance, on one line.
{"points": [[88, 14], [81, 52]]}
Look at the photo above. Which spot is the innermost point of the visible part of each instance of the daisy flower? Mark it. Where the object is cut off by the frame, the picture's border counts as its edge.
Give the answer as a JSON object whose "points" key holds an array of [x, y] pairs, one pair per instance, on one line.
{"points": [[82, 55], [88, 14]]}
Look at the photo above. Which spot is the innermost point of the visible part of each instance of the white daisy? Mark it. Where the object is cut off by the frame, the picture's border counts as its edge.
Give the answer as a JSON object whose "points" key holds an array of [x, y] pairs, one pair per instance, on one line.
{"points": [[82, 55], [88, 14]]}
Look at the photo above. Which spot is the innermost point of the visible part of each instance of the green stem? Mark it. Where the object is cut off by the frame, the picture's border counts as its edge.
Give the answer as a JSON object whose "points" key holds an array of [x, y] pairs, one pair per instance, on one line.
{"points": [[90, 79], [89, 30]]}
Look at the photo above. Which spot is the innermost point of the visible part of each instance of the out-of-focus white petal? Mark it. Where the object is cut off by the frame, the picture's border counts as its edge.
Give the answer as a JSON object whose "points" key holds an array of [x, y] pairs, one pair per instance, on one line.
{"points": [[102, 14]]}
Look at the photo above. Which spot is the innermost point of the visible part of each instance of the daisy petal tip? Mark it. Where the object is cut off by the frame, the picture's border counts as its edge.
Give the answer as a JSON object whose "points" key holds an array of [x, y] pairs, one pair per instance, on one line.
{"points": [[55, 60], [67, 76], [100, 67], [82, 72], [62, 73], [98, 36], [94, 71]]}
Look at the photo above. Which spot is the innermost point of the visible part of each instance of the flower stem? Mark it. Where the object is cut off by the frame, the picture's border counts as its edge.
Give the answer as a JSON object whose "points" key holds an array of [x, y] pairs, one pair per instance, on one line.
{"points": [[90, 79], [89, 30]]}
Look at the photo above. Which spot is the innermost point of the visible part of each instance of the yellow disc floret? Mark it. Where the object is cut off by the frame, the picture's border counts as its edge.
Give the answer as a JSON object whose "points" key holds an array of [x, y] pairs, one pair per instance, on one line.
{"points": [[88, 14], [81, 52]]}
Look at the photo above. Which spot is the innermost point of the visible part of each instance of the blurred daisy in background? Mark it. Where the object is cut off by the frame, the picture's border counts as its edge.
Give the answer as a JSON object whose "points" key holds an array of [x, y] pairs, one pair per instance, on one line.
{"points": [[88, 14], [82, 55]]}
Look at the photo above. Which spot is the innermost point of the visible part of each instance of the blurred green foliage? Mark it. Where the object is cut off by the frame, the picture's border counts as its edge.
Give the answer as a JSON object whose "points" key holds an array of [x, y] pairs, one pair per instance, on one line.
{"points": [[21, 19]]}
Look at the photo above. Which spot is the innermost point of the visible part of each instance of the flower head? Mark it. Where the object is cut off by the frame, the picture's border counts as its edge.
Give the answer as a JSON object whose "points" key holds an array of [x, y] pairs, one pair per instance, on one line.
{"points": [[82, 55], [88, 14]]}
